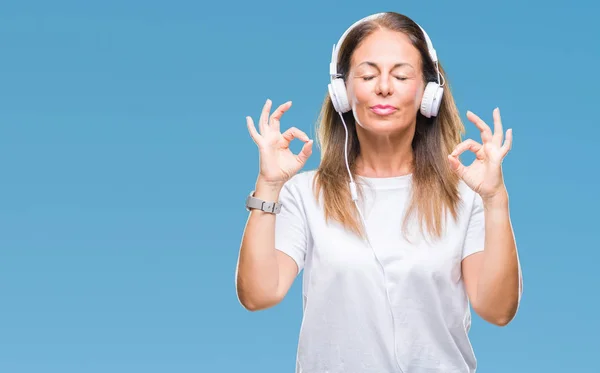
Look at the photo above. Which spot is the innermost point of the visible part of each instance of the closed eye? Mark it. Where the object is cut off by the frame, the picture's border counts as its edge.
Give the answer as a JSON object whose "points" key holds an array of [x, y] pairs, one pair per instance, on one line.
{"points": [[367, 78]]}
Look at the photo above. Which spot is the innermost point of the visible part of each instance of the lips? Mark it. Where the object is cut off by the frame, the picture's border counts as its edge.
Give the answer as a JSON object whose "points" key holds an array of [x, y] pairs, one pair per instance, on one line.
{"points": [[383, 109]]}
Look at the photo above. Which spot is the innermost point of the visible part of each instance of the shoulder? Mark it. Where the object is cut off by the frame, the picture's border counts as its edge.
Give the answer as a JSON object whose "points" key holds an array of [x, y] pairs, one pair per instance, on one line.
{"points": [[298, 192], [470, 201], [301, 184]]}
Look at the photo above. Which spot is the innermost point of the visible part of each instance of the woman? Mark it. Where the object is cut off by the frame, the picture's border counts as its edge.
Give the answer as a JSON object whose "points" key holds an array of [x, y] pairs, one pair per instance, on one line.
{"points": [[395, 235]]}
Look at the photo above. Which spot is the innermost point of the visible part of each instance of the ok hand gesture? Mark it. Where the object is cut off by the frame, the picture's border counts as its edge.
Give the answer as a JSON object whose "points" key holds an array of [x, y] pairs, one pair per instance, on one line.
{"points": [[277, 163], [484, 175]]}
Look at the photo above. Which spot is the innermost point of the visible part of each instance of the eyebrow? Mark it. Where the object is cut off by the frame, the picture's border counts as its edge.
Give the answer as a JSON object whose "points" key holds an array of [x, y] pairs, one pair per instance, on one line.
{"points": [[400, 64]]}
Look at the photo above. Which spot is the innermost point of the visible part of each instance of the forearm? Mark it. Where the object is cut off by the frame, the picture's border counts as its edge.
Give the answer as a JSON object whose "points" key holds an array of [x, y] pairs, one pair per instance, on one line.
{"points": [[258, 273], [499, 286]]}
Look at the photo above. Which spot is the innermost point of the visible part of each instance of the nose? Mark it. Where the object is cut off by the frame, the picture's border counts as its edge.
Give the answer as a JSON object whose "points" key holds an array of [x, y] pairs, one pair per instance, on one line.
{"points": [[384, 86]]}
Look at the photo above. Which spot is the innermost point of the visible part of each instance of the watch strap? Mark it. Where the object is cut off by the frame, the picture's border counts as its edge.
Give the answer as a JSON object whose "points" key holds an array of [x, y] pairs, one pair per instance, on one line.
{"points": [[259, 204]]}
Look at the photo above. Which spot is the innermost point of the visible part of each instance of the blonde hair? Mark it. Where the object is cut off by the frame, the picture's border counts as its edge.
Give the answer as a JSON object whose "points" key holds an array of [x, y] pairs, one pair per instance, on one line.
{"points": [[434, 189]]}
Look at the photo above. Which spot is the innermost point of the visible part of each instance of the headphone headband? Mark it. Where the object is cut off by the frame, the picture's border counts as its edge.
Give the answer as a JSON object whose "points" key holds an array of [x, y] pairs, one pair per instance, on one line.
{"points": [[336, 47]]}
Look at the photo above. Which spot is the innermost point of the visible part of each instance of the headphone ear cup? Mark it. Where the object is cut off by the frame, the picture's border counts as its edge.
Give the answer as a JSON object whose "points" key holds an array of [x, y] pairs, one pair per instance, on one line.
{"points": [[432, 98], [339, 97]]}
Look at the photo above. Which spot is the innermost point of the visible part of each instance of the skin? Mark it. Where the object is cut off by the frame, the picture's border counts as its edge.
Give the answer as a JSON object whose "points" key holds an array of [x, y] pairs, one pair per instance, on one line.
{"points": [[385, 69]]}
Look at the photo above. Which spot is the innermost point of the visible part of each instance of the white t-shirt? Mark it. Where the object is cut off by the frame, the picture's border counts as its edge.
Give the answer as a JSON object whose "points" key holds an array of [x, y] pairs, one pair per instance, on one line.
{"points": [[348, 325]]}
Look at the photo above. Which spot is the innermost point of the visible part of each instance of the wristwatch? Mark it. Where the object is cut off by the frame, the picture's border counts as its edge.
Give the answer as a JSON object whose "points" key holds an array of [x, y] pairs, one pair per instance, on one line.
{"points": [[257, 203]]}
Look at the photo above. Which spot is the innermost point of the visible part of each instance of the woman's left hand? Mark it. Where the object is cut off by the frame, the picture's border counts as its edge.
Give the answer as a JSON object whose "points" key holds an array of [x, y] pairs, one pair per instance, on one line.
{"points": [[484, 175]]}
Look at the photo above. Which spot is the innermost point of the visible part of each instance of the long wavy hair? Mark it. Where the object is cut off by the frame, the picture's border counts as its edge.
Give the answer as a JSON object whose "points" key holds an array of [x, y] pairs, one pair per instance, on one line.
{"points": [[434, 184]]}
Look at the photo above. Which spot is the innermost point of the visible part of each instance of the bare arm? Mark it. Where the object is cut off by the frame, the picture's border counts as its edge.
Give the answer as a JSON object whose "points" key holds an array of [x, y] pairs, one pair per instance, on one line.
{"points": [[493, 277], [264, 274]]}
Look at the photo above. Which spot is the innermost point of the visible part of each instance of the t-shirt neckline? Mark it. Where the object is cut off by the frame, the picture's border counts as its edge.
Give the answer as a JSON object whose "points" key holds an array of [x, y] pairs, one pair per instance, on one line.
{"points": [[385, 182]]}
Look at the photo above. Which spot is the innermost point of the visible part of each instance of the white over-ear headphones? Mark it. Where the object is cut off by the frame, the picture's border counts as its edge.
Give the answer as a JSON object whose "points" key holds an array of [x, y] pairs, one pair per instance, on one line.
{"points": [[432, 96]]}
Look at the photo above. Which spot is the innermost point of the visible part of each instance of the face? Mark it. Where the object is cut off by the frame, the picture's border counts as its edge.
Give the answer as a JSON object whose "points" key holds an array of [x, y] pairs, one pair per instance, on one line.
{"points": [[385, 83]]}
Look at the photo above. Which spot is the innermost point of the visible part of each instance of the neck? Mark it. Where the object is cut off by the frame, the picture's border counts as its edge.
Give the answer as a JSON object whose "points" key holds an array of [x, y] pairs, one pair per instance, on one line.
{"points": [[385, 155]]}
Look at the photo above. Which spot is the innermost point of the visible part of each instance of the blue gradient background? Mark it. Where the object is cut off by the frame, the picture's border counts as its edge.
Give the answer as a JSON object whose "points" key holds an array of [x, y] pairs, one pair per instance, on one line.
{"points": [[125, 161]]}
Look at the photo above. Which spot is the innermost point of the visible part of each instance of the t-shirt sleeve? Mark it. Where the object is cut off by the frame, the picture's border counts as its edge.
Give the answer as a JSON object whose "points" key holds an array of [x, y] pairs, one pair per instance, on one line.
{"points": [[475, 237], [290, 225]]}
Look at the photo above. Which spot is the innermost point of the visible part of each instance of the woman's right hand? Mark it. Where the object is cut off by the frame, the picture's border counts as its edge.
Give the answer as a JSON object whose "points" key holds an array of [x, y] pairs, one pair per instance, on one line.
{"points": [[277, 162]]}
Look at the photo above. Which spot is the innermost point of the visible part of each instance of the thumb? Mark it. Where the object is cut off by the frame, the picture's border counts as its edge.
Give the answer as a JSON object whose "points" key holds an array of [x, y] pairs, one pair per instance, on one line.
{"points": [[305, 152]]}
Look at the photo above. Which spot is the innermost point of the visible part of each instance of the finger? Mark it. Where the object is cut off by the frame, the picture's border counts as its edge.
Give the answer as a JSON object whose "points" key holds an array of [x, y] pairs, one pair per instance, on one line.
{"points": [[305, 152], [456, 165], [498, 131], [294, 132], [253, 133], [468, 144], [486, 132], [274, 122], [264, 116], [507, 143]]}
